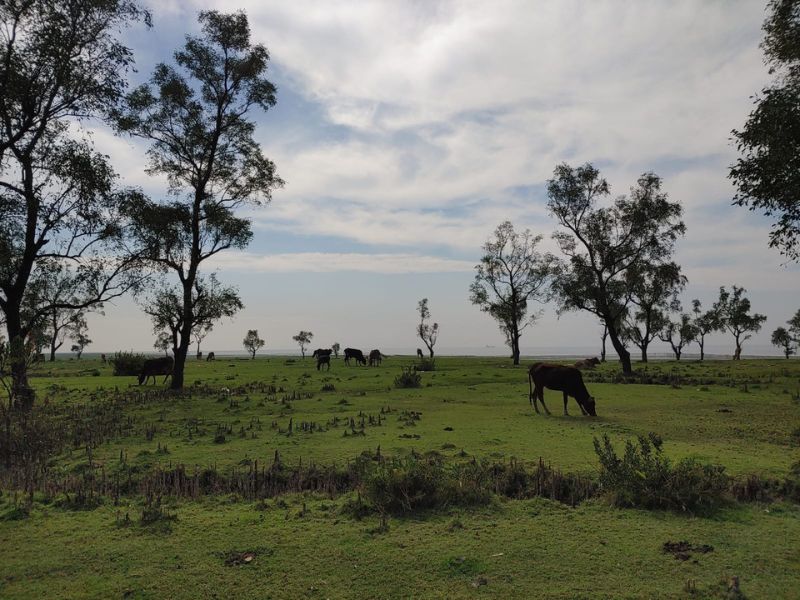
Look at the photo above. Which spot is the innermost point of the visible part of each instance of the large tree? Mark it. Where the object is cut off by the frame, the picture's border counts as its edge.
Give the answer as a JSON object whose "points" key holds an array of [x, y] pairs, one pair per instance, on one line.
{"points": [[652, 286], [56, 290], [60, 63], [303, 339], [679, 333], [734, 311], [427, 332], [705, 323], [194, 113], [511, 273], [767, 176], [782, 339], [601, 244], [209, 301]]}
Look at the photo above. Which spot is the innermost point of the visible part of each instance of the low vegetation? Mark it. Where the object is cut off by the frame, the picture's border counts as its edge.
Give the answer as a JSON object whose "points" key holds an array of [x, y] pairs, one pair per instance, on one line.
{"points": [[460, 468]]}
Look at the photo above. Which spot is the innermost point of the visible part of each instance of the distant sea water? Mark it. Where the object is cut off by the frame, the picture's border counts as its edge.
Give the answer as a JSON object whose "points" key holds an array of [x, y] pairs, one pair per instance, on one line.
{"points": [[563, 352]]}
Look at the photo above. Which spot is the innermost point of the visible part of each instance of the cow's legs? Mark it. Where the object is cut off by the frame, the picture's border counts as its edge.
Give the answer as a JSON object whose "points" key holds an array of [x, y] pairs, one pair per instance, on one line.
{"points": [[566, 398], [583, 410], [541, 399]]}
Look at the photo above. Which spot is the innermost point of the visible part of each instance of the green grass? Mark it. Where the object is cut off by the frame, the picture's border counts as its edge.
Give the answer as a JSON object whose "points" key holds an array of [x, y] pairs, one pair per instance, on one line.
{"points": [[741, 415]]}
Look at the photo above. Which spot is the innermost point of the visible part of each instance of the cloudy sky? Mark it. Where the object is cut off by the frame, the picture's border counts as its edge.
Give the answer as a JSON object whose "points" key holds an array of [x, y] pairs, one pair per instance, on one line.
{"points": [[407, 131]]}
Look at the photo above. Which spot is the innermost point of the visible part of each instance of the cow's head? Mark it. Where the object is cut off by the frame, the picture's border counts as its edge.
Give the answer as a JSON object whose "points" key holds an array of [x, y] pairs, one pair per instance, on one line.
{"points": [[589, 406]]}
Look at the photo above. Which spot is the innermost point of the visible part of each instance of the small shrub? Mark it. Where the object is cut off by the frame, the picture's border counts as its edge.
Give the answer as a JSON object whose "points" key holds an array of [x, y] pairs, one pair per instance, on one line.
{"points": [[328, 387], [409, 378], [643, 477], [127, 363], [426, 364]]}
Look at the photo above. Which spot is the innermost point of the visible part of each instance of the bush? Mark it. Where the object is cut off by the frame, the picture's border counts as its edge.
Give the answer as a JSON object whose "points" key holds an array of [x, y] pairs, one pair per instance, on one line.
{"points": [[426, 364], [644, 478], [127, 363], [405, 485], [409, 378]]}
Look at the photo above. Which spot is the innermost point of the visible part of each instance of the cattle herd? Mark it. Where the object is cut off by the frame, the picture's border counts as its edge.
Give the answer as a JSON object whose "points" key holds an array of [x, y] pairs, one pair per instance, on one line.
{"points": [[561, 378]]}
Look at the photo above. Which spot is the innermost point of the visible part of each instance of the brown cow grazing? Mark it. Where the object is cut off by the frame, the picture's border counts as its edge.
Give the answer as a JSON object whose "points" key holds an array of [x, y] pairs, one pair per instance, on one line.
{"points": [[156, 366], [562, 378], [375, 358], [587, 363], [323, 359]]}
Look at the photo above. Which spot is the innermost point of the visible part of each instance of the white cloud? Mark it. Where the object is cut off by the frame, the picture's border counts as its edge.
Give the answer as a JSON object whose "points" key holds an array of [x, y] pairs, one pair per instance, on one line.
{"points": [[328, 262]]}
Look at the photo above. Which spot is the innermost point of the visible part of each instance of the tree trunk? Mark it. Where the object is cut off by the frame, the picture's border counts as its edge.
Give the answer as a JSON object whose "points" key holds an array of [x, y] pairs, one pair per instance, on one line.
{"points": [[52, 351], [515, 348], [603, 349], [737, 355], [21, 391], [622, 352], [701, 343], [644, 352]]}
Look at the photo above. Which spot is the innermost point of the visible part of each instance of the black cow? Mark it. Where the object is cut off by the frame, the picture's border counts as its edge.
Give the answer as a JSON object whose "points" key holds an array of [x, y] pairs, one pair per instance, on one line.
{"points": [[419, 353], [375, 358], [156, 366], [321, 352], [210, 357], [323, 359], [562, 378], [358, 355]]}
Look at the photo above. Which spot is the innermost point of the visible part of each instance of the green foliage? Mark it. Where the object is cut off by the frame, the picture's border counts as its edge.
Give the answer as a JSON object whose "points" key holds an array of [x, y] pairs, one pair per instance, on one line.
{"points": [[427, 332], [252, 342], [734, 310], [604, 245], [764, 176], [644, 478], [510, 274], [127, 363], [60, 203], [425, 364], [408, 378], [194, 114], [405, 485]]}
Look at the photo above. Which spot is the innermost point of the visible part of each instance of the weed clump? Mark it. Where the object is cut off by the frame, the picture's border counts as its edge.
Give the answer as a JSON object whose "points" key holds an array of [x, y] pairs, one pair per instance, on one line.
{"points": [[408, 378], [644, 478], [426, 364]]}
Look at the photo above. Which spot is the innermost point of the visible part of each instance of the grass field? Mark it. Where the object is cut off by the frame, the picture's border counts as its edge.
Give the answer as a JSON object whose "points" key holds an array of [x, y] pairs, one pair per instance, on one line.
{"points": [[744, 416]]}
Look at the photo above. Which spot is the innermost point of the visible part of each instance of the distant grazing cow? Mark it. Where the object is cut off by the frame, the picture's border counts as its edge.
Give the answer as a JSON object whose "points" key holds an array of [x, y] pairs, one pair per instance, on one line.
{"points": [[210, 357], [563, 379], [375, 358], [322, 352], [154, 367], [103, 358], [587, 363], [323, 359], [358, 355], [419, 353]]}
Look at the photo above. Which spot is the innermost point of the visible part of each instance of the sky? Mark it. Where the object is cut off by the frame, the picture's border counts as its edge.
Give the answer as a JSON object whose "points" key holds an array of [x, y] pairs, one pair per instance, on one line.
{"points": [[407, 131]]}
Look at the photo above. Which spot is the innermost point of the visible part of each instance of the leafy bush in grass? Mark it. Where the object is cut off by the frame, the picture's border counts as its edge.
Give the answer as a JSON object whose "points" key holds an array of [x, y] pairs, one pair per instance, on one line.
{"points": [[643, 477], [409, 378], [409, 484], [426, 364], [127, 363]]}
